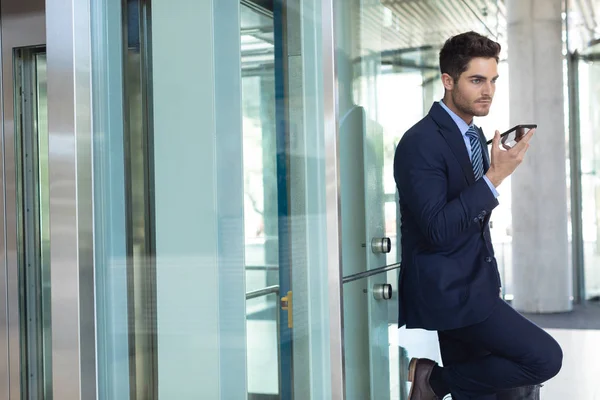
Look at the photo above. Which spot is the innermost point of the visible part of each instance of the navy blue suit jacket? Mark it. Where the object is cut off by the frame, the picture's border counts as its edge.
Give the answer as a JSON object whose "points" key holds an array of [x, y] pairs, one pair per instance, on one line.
{"points": [[449, 276]]}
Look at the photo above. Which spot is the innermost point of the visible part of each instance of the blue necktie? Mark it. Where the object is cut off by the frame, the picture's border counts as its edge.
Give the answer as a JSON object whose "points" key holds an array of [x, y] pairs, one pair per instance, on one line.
{"points": [[476, 156]]}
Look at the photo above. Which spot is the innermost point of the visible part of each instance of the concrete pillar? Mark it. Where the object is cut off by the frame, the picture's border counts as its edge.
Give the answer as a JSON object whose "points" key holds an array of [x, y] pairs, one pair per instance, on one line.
{"points": [[542, 275], [428, 91], [592, 273]]}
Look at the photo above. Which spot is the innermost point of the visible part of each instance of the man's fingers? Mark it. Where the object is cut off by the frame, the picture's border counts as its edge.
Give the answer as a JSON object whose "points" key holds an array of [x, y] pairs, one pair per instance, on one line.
{"points": [[496, 140], [527, 137], [525, 140], [520, 155], [522, 152]]}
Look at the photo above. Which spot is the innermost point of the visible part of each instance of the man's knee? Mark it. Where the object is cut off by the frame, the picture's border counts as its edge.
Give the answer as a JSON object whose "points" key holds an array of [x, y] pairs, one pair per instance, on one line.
{"points": [[548, 360], [555, 360]]}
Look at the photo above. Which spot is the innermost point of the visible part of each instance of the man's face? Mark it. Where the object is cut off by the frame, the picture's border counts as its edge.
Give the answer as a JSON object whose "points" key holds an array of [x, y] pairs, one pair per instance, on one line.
{"points": [[472, 94]]}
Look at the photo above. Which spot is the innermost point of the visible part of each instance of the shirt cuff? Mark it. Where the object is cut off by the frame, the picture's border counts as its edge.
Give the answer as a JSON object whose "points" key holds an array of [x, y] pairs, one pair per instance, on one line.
{"points": [[492, 187]]}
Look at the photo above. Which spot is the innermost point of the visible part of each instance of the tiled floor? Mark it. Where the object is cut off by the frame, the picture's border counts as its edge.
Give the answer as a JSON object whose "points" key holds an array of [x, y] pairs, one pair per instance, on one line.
{"points": [[578, 379], [580, 374]]}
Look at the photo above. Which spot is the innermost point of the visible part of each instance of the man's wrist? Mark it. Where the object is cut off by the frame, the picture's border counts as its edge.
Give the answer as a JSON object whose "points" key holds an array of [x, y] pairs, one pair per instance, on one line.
{"points": [[493, 177]]}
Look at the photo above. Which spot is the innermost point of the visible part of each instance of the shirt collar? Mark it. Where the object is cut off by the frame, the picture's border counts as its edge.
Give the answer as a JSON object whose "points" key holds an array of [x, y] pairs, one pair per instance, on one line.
{"points": [[462, 125]]}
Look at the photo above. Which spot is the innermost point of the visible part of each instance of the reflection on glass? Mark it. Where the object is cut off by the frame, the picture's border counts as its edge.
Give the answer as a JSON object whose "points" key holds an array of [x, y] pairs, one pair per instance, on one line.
{"points": [[33, 226], [260, 200], [376, 99], [44, 199], [378, 339], [388, 77], [589, 127], [262, 339], [140, 247]]}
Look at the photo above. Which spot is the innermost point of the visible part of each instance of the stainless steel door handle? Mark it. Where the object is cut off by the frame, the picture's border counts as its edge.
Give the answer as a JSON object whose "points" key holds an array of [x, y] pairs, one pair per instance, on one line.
{"points": [[381, 245], [382, 291]]}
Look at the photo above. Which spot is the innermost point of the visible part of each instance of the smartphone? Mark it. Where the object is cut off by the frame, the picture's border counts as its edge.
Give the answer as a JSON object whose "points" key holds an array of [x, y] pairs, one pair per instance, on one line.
{"points": [[514, 134]]}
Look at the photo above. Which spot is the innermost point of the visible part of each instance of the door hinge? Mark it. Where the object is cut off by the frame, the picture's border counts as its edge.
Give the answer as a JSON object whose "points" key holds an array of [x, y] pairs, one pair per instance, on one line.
{"points": [[286, 305]]}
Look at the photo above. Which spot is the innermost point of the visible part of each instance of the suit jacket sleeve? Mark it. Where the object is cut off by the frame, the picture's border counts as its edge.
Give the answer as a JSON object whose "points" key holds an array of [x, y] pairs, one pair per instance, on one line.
{"points": [[422, 178]]}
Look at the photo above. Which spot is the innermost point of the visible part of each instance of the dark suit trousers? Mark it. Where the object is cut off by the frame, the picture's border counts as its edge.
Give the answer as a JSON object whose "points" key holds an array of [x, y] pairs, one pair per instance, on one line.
{"points": [[503, 352]]}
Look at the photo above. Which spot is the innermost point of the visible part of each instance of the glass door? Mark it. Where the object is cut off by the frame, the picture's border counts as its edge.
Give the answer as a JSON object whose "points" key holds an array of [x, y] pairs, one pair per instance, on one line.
{"points": [[364, 240], [586, 82], [33, 222], [261, 209], [237, 204], [285, 190], [385, 85], [284, 210]]}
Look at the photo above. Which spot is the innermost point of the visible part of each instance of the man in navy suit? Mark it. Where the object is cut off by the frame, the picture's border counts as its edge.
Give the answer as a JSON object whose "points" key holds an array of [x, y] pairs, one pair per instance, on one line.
{"points": [[449, 281]]}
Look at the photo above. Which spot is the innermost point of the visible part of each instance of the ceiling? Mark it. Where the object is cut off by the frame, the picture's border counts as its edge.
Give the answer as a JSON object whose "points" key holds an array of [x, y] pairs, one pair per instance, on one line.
{"points": [[257, 39], [417, 23], [409, 33], [583, 23], [405, 33]]}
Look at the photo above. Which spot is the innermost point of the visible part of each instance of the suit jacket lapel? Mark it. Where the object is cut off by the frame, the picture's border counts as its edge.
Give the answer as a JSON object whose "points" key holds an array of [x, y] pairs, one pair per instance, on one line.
{"points": [[454, 138]]}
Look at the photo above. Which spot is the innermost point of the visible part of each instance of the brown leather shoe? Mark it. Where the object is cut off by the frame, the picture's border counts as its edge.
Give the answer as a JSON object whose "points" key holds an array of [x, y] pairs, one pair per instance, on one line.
{"points": [[419, 372]]}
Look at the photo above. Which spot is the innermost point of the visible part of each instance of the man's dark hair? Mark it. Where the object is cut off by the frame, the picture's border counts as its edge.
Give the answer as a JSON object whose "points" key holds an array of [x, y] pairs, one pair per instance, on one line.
{"points": [[459, 50]]}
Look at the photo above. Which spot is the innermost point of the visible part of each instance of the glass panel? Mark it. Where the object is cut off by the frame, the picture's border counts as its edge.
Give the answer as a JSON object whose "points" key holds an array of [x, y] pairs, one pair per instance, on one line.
{"points": [[260, 162], [366, 344], [199, 199], [139, 194], [388, 78], [260, 199], [263, 345], [367, 236], [301, 162], [368, 213], [110, 228], [123, 198], [589, 127], [211, 158]]}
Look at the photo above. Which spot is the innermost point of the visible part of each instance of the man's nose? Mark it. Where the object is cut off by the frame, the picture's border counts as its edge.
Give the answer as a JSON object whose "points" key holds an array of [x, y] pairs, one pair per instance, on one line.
{"points": [[488, 89]]}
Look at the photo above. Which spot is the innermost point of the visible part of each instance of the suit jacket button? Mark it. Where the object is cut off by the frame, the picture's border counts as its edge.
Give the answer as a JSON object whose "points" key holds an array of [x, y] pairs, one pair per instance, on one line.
{"points": [[488, 259], [476, 219]]}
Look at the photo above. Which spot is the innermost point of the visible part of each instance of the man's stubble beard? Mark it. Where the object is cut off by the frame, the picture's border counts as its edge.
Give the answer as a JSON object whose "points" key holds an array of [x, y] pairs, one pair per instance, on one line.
{"points": [[457, 99]]}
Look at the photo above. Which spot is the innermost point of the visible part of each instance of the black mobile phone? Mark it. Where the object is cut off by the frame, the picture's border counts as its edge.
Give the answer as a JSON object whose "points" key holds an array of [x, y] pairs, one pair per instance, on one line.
{"points": [[510, 137]]}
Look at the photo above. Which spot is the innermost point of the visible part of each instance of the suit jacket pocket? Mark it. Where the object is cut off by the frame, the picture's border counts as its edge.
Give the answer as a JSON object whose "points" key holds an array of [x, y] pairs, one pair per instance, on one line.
{"points": [[442, 281]]}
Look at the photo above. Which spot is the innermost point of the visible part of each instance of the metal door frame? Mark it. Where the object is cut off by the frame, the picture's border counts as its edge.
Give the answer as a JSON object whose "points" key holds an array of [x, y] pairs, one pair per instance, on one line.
{"points": [[22, 25], [69, 61], [286, 386]]}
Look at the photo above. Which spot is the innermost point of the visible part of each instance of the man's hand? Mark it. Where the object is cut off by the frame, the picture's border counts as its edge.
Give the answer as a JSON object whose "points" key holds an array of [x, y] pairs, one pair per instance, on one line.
{"points": [[504, 162]]}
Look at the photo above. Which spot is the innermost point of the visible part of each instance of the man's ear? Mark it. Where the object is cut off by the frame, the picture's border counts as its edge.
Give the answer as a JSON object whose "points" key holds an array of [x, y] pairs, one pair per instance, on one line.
{"points": [[447, 81]]}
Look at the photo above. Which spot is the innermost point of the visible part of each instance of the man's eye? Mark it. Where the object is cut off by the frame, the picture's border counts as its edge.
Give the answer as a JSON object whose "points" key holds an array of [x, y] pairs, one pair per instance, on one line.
{"points": [[476, 81]]}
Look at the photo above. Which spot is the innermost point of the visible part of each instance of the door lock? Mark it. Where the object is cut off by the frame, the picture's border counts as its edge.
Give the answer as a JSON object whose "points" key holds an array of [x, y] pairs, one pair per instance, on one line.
{"points": [[382, 291], [286, 305], [381, 245]]}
